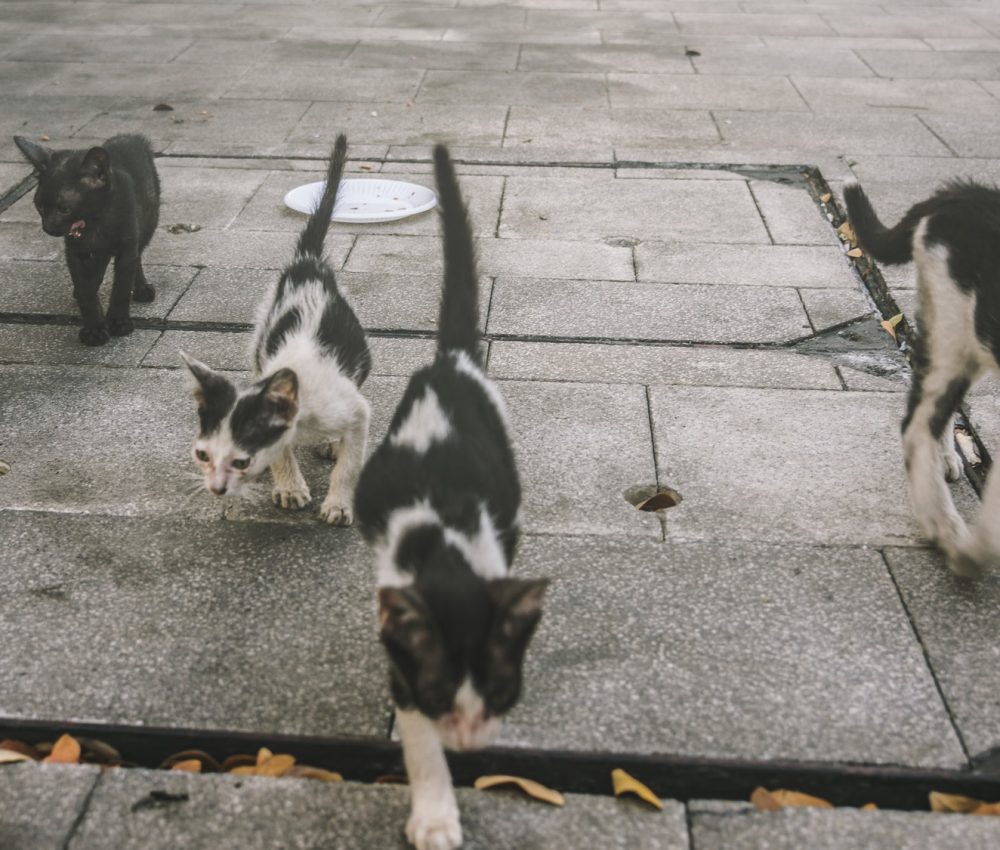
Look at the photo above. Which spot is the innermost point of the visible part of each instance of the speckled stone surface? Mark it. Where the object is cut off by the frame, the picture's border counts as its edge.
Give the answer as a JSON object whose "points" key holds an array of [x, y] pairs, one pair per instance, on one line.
{"points": [[39, 804], [24, 343], [729, 650], [190, 624]]}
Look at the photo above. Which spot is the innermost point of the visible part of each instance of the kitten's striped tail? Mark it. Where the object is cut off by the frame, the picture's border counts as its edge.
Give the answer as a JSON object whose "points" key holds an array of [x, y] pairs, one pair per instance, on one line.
{"points": [[458, 322], [889, 245], [314, 234]]}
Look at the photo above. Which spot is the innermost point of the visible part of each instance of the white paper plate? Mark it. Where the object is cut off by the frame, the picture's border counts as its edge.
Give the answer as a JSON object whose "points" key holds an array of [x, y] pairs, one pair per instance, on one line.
{"points": [[366, 201]]}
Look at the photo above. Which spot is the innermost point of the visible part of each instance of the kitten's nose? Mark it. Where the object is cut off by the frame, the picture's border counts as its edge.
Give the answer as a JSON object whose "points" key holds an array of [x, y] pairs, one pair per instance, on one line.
{"points": [[219, 491]]}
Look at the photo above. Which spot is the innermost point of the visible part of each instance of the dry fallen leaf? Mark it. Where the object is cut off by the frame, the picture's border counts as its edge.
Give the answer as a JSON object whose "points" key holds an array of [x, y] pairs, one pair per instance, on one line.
{"points": [[658, 501], [625, 784], [773, 801], [391, 779], [869, 807], [12, 756], [241, 760], [957, 804], [44, 139], [187, 766], [302, 771], [826, 198], [855, 252], [65, 751], [206, 760], [847, 233], [528, 786], [163, 107], [4, 467], [890, 324]]}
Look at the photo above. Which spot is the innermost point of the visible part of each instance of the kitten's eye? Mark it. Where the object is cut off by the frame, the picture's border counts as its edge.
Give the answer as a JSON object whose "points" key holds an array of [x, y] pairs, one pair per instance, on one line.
{"points": [[202, 455], [241, 463]]}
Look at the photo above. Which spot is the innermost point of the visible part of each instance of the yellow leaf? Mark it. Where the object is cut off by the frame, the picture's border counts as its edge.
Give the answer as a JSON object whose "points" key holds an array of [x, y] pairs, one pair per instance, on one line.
{"points": [[987, 809], [276, 766], [528, 786], [625, 784], [65, 751], [869, 807], [263, 754], [826, 198], [244, 770], [855, 252], [890, 324], [188, 766], [302, 771], [772, 801], [9, 757], [847, 233], [959, 804]]}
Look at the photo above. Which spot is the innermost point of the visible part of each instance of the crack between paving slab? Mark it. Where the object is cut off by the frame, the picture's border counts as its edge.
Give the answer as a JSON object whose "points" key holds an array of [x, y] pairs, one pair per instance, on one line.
{"points": [[763, 219], [927, 659], [503, 195], [840, 376], [937, 135], [661, 515], [82, 813], [503, 138], [805, 310], [17, 192]]}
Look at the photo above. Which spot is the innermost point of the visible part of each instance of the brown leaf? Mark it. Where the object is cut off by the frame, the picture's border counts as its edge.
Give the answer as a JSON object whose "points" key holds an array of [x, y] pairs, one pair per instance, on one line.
{"points": [[773, 801], [391, 779], [163, 107], [20, 747], [855, 252], [826, 198], [869, 807], [99, 752], [658, 501], [277, 765], [263, 754], [890, 324], [44, 139], [241, 760], [301, 771], [623, 783], [12, 756], [528, 786], [65, 751], [208, 763], [847, 234], [956, 803], [187, 766]]}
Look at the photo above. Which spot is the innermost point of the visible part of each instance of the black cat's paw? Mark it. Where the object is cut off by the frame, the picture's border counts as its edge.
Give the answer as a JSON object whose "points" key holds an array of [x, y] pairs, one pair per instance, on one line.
{"points": [[143, 293], [120, 327], [94, 336]]}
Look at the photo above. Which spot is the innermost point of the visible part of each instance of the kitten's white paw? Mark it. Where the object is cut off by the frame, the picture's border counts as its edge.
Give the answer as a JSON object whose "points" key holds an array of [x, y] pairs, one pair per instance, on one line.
{"points": [[434, 828], [335, 512], [292, 498], [952, 464]]}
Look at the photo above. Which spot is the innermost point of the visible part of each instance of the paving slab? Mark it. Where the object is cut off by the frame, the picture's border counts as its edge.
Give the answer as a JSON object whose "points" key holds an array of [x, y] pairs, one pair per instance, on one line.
{"points": [[284, 51], [698, 23], [25, 240], [534, 125], [791, 215], [600, 207], [438, 55], [968, 135], [514, 87], [84, 48], [318, 82], [679, 91], [802, 266], [176, 623], [828, 308], [659, 59], [738, 827], [802, 465], [55, 116], [660, 364], [834, 94], [23, 343], [521, 36], [39, 805], [209, 197], [730, 650], [350, 816], [603, 310], [760, 60], [952, 65], [939, 24], [956, 621], [134, 79], [226, 295], [256, 249]]}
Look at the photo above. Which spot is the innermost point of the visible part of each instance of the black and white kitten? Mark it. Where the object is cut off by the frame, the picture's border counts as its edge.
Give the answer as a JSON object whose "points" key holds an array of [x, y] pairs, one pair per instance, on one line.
{"points": [[310, 357], [954, 239], [105, 203], [439, 502]]}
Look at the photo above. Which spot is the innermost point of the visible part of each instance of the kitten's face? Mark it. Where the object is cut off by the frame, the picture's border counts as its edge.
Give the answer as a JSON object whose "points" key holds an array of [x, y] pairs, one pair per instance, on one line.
{"points": [[459, 660], [241, 433], [72, 186]]}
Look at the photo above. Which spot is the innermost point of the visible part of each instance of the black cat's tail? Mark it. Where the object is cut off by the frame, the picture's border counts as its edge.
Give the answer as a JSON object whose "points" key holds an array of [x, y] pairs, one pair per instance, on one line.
{"points": [[314, 234], [889, 245], [458, 320]]}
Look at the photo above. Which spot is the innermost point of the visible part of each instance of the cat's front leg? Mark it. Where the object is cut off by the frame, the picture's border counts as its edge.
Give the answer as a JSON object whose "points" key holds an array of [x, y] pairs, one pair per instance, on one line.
{"points": [[290, 488], [433, 823], [338, 506], [142, 290], [126, 266], [87, 272]]}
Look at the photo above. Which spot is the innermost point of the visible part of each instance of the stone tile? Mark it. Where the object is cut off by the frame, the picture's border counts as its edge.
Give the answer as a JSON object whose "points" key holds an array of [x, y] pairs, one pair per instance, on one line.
{"points": [[514, 87], [307, 82], [857, 133], [516, 35], [698, 23], [769, 61], [210, 197], [182, 620], [980, 45], [801, 266], [45, 288], [27, 241], [944, 24], [22, 78], [21, 343], [359, 34], [964, 65], [969, 135], [403, 124], [822, 467], [520, 257], [98, 441], [726, 650], [12, 173], [348, 816], [259, 249], [209, 120], [285, 51], [85, 48], [52, 115], [957, 624], [600, 207], [830, 307], [984, 412], [791, 215], [834, 94], [401, 357], [440, 55], [842, 42], [832, 830], [677, 91], [224, 295], [39, 804], [435, 17], [543, 126], [228, 350], [134, 79], [562, 20], [709, 366], [652, 59], [608, 310], [276, 17]]}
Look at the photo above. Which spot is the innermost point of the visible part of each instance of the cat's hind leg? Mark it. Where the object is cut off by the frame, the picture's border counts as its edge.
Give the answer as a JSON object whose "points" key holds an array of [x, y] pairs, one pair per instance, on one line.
{"points": [[982, 550], [338, 506], [142, 290], [290, 489]]}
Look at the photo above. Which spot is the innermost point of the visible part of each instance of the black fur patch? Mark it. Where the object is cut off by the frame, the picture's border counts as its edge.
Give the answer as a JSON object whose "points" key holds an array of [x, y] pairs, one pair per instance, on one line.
{"points": [[946, 405], [253, 423], [290, 321], [216, 398]]}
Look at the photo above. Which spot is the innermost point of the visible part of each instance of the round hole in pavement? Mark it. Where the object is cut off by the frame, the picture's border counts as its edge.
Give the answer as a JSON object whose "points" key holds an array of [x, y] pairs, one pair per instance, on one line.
{"points": [[649, 497]]}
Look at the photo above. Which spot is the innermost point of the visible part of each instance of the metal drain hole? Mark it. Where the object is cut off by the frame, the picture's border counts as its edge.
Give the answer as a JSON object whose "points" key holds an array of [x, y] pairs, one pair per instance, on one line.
{"points": [[651, 498]]}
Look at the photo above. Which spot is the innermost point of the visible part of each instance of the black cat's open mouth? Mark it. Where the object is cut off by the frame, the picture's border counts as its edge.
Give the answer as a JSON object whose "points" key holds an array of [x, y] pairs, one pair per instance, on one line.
{"points": [[76, 229]]}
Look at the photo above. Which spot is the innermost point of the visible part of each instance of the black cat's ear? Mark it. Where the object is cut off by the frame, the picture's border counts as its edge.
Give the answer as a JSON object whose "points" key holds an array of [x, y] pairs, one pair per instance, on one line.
{"points": [[33, 152], [95, 170], [404, 621], [519, 606], [281, 392], [208, 383]]}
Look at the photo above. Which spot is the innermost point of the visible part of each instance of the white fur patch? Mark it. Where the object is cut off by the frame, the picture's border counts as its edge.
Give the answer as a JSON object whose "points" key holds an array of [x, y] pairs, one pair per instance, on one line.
{"points": [[467, 366], [401, 520], [482, 551], [426, 423]]}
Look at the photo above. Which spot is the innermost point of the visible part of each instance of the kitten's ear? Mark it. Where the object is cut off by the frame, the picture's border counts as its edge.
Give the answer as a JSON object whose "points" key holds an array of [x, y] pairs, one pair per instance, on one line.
{"points": [[95, 170], [207, 380], [519, 606], [34, 153], [281, 391], [403, 619]]}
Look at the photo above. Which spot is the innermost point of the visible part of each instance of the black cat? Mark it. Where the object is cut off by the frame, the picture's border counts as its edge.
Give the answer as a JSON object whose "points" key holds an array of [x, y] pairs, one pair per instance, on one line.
{"points": [[105, 203]]}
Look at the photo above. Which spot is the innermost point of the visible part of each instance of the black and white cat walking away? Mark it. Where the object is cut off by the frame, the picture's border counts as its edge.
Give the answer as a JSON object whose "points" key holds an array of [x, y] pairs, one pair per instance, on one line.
{"points": [[310, 357], [105, 204], [954, 239], [439, 502]]}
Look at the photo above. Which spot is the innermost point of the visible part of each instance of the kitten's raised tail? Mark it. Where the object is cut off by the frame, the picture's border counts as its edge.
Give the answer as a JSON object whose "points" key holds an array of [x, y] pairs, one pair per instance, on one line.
{"points": [[889, 245], [458, 321], [314, 234]]}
